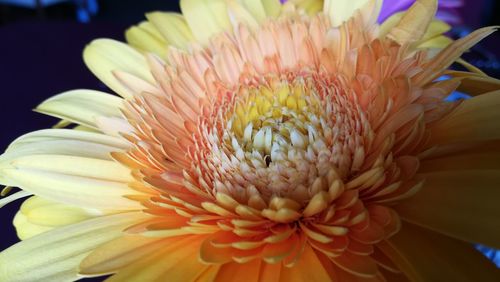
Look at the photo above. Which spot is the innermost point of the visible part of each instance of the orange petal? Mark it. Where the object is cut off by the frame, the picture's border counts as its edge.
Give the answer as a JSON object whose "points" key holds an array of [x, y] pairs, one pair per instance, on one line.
{"points": [[428, 256], [462, 204]]}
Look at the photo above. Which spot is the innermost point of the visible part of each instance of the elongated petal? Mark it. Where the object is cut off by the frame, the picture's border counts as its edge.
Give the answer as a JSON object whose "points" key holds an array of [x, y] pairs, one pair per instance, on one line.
{"points": [[308, 268], [82, 106], [340, 11], [38, 215], [73, 180], [121, 252], [475, 119], [178, 261], [103, 56], [475, 84], [205, 17], [172, 27], [413, 24], [56, 254], [428, 256], [462, 204], [26, 229], [143, 38], [65, 142]]}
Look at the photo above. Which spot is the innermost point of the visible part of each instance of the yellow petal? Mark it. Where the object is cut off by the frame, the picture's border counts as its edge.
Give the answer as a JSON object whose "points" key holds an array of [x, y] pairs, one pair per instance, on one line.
{"points": [[475, 84], [272, 7], [72, 180], [427, 256], [65, 142], [439, 42], [177, 261], [103, 56], [120, 252], [26, 229], [311, 7], [441, 61], [172, 27], [82, 106], [475, 119], [414, 22], [44, 212], [13, 197], [56, 254], [205, 17], [462, 204], [340, 11], [256, 8], [38, 215], [143, 39]]}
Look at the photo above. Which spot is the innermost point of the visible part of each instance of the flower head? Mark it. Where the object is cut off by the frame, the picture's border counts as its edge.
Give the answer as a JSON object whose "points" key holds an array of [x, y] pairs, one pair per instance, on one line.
{"points": [[267, 142]]}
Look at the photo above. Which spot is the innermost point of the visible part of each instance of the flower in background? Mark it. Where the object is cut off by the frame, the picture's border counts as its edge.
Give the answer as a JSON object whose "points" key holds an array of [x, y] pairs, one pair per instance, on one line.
{"points": [[447, 9], [267, 142]]}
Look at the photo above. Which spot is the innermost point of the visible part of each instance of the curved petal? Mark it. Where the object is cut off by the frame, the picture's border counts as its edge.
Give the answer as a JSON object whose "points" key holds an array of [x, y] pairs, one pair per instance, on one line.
{"points": [[73, 180], [205, 17], [103, 56], [307, 268], [340, 11], [38, 215], [427, 256], [146, 38], [82, 106], [119, 253], [178, 261], [56, 254], [172, 27], [462, 204], [474, 83], [65, 142], [474, 119]]}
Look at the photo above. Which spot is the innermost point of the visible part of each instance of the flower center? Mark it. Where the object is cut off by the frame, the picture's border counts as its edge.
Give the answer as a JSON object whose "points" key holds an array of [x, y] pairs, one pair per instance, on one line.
{"points": [[282, 138]]}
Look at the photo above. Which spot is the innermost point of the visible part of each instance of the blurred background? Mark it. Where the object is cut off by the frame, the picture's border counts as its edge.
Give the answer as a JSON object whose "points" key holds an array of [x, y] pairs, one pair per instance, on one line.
{"points": [[41, 43]]}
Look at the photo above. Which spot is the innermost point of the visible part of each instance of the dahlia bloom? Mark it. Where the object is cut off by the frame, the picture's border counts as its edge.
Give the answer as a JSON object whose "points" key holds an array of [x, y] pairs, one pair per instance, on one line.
{"points": [[255, 141]]}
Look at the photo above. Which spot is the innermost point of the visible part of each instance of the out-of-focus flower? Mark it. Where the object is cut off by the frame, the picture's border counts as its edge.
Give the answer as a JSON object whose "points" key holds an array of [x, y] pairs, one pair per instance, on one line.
{"points": [[447, 9], [268, 142]]}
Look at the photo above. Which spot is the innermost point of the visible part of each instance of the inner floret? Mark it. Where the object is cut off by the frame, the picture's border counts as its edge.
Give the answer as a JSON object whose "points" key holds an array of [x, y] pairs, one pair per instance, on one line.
{"points": [[283, 138]]}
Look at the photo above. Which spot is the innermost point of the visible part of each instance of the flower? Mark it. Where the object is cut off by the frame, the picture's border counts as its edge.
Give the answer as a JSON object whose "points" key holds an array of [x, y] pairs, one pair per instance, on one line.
{"points": [[447, 9], [267, 143]]}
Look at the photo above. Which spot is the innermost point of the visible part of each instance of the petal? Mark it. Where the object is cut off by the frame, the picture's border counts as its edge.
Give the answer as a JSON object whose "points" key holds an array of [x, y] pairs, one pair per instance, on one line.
{"points": [[120, 252], [414, 22], [205, 17], [38, 215], [55, 255], [82, 106], [235, 271], [178, 261], [103, 56], [172, 27], [307, 268], [427, 256], [80, 181], [474, 119], [340, 11], [475, 84], [462, 204], [143, 38], [65, 142], [26, 229]]}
